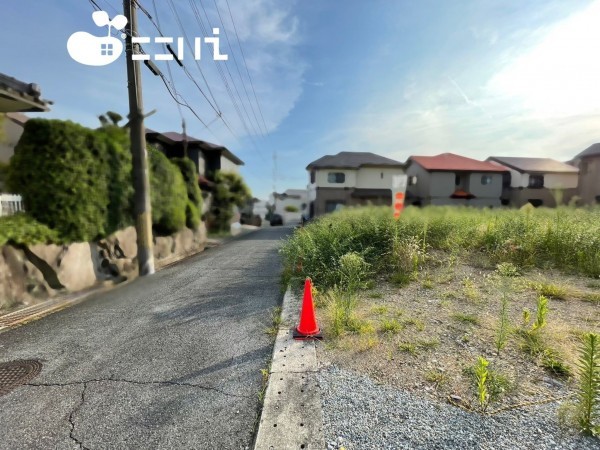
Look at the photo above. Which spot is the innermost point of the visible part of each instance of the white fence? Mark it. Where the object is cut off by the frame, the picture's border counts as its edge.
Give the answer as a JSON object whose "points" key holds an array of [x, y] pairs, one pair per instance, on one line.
{"points": [[10, 204]]}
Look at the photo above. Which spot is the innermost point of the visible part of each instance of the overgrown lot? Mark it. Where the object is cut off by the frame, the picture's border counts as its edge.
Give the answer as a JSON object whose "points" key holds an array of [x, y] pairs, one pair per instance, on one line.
{"points": [[485, 309]]}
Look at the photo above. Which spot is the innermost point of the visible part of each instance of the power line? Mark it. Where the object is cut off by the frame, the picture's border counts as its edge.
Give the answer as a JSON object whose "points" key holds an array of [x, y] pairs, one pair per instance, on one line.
{"points": [[246, 65], [222, 74]]}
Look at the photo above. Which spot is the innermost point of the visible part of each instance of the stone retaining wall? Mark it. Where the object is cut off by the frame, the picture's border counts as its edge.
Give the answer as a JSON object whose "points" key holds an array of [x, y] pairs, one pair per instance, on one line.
{"points": [[29, 274]]}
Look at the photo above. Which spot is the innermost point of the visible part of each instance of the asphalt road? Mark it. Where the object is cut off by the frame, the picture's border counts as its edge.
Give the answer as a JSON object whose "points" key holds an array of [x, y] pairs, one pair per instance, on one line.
{"points": [[169, 361]]}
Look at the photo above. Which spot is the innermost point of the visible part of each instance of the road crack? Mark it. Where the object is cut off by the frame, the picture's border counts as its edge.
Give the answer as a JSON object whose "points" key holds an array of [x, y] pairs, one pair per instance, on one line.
{"points": [[72, 419], [140, 383]]}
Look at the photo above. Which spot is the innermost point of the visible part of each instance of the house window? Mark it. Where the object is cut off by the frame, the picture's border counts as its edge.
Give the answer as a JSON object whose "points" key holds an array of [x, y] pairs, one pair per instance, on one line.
{"points": [[536, 181], [457, 180], [486, 179], [412, 181], [382, 175], [312, 176], [336, 177]]}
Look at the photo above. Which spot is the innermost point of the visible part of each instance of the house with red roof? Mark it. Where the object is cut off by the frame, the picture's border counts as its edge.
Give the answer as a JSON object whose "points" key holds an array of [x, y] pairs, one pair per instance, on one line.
{"points": [[538, 181], [449, 179]]}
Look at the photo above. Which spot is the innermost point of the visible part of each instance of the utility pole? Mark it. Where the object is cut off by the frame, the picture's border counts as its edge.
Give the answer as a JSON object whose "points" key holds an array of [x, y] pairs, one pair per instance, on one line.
{"points": [[141, 181]]}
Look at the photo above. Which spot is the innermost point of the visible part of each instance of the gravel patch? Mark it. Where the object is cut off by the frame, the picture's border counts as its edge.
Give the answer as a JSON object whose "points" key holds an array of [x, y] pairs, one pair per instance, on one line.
{"points": [[360, 414]]}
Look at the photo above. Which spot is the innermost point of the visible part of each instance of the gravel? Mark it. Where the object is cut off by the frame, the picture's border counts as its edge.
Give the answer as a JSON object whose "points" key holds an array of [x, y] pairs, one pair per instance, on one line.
{"points": [[360, 414]]}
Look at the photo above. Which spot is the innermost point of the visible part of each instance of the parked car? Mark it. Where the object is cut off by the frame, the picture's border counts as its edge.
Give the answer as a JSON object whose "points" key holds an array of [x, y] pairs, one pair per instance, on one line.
{"points": [[276, 219]]}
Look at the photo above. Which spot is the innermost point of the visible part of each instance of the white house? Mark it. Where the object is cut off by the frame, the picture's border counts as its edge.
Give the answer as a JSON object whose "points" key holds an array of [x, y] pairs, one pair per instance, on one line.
{"points": [[350, 178]]}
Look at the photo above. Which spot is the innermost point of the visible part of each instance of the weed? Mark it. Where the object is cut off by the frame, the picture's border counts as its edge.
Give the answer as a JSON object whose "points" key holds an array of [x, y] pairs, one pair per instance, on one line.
{"points": [[532, 342], [418, 323], [503, 325], [379, 310], [400, 279], [367, 342], [541, 313], [427, 282], [469, 290], [593, 297], [496, 384], [354, 272], [594, 284], [526, 317], [554, 363], [375, 295], [507, 269], [341, 308], [427, 345], [588, 398], [275, 321], [436, 376], [391, 326], [481, 374], [407, 347], [550, 290], [466, 318]]}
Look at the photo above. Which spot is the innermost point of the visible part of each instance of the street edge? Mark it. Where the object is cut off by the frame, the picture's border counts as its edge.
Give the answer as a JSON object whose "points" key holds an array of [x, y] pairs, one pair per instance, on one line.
{"points": [[302, 372]]}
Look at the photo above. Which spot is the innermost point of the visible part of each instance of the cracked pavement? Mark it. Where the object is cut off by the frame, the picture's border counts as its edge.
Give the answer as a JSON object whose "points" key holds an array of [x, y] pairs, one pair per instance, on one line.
{"points": [[168, 361]]}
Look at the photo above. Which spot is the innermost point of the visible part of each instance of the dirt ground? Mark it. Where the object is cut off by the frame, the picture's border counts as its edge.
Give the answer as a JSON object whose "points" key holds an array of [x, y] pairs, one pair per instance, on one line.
{"points": [[425, 336]]}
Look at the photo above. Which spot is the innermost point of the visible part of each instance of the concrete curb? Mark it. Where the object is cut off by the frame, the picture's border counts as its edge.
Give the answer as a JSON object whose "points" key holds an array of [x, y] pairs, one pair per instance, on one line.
{"points": [[291, 416]]}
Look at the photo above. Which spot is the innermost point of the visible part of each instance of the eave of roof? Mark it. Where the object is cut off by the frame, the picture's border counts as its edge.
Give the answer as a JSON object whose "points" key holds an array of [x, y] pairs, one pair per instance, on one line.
{"points": [[534, 165]]}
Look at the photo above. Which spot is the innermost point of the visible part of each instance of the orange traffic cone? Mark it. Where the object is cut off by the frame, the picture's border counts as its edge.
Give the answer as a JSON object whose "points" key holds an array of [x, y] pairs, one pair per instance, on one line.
{"points": [[308, 327]]}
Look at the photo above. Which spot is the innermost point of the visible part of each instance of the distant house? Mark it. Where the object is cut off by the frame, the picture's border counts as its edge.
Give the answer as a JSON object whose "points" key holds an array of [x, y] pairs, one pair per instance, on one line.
{"points": [[291, 198], [588, 162], [207, 157], [539, 181], [349, 179], [11, 130], [449, 179]]}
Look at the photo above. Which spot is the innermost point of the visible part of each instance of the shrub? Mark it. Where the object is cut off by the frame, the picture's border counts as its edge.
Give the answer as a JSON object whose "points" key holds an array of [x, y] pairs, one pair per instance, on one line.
{"points": [[60, 168], [168, 194], [120, 179], [23, 229], [291, 208], [230, 190], [194, 203]]}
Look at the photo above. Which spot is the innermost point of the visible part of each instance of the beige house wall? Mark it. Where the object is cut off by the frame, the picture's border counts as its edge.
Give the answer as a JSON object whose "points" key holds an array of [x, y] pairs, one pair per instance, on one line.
{"points": [[229, 166], [376, 178]]}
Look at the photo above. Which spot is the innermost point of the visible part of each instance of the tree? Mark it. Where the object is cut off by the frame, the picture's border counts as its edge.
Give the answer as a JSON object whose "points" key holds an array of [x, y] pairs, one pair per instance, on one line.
{"points": [[114, 118], [230, 190]]}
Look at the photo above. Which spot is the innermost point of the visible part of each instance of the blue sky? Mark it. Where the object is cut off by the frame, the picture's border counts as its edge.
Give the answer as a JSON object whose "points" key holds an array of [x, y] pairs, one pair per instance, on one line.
{"points": [[394, 77]]}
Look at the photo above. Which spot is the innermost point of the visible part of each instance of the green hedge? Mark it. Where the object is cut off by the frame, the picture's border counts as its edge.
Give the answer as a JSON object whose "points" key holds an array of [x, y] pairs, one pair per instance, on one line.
{"points": [[120, 179], [168, 194], [23, 229], [194, 203], [60, 169]]}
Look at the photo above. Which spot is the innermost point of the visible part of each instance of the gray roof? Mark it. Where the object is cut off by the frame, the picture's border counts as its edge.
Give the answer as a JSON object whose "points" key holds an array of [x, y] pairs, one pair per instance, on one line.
{"points": [[352, 160], [537, 165], [592, 150]]}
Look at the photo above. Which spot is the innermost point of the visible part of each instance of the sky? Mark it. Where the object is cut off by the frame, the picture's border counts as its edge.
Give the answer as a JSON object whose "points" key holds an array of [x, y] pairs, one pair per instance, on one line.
{"points": [[309, 78]]}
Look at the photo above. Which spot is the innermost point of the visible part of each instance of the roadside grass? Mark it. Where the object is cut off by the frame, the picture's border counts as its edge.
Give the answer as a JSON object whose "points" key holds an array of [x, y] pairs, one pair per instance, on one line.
{"points": [[518, 287]]}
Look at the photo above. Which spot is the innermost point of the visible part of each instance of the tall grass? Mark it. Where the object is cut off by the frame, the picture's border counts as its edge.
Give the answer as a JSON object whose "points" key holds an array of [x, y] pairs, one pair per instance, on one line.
{"points": [[564, 238]]}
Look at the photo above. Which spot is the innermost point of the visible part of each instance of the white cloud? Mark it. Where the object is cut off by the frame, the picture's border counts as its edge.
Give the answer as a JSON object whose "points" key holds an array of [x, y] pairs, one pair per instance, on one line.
{"points": [[543, 101]]}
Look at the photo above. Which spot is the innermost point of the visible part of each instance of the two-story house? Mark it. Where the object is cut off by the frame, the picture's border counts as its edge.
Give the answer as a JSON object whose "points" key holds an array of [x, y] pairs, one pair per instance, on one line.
{"points": [[588, 162], [539, 181], [207, 157], [449, 179], [350, 179]]}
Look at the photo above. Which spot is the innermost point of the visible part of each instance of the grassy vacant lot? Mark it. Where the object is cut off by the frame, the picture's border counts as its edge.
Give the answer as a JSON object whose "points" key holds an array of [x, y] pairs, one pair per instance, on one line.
{"points": [[415, 303]]}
